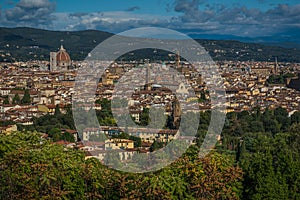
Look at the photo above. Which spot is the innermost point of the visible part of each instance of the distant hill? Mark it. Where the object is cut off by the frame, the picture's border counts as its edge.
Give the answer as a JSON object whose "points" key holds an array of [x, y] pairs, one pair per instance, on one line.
{"points": [[27, 44], [235, 50], [24, 43]]}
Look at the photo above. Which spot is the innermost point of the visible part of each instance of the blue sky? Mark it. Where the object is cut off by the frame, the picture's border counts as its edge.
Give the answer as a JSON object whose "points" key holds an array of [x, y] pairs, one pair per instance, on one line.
{"points": [[246, 19]]}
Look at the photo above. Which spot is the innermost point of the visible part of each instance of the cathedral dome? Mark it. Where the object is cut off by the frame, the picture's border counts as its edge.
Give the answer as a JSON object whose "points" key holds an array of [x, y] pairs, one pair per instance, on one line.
{"points": [[63, 56]]}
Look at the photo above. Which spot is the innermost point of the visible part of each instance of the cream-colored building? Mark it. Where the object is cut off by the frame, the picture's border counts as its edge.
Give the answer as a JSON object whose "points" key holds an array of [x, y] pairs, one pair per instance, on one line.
{"points": [[116, 143]]}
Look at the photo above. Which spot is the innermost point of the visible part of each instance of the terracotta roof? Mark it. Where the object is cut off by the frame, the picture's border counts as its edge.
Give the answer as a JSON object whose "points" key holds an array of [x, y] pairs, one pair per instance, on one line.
{"points": [[62, 55], [146, 144]]}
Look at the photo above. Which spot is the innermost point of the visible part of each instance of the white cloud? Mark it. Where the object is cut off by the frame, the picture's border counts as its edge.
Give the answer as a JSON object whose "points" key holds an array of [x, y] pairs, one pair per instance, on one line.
{"points": [[34, 13]]}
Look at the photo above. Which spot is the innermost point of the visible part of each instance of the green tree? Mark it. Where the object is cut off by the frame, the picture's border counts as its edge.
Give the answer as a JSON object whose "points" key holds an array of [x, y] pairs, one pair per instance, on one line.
{"points": [[261, 181], [256, 126], [55, 134], [271, 125], [156, 145], [270, 166], [66, 136], [105, 109], [6, 100], [281, 115], [295, 118], [57, 110], [144, 117], [16, 99], [26, 98], [36, 169], [137, 141]]}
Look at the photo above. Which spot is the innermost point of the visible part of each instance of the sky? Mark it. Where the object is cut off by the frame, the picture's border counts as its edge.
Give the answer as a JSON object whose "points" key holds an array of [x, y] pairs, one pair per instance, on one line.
{"points": [[230, 18]]}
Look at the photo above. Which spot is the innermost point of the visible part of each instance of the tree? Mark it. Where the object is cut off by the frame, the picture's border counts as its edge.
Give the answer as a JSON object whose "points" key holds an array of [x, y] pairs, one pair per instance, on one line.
{"points": [[55, 134], [26, 97], [156, 145], [66, 136], [261, 165], [295, 118], [137, 141], [214, 177], [169, 123], [6, 100], [16, 99], [203, 96], [262, 175], [257, 126], [281, 115], [271, 126], [105, 108], [57, 110], [270, 166], [145, 118], [36, 169]]}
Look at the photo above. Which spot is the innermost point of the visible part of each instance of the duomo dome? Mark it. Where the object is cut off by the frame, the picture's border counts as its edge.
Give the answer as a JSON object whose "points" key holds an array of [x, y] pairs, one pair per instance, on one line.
{"points": [[60, 60], [62, 57]]}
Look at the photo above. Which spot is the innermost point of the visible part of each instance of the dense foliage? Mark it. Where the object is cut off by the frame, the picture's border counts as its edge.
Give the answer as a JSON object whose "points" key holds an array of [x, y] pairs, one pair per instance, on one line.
{"points": [[258, 157], [32, 168], [279, 79], [266, 146]]}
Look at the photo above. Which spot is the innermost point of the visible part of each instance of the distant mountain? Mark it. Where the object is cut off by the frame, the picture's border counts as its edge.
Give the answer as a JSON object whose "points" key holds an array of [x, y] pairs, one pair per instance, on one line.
{"points": [[22, 44], [29, 43], [285, 40], [242, 51]]}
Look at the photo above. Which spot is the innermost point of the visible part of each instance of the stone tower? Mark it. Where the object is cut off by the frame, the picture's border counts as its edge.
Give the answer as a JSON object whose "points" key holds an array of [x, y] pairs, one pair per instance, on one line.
{"points": [[53, 62]]}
